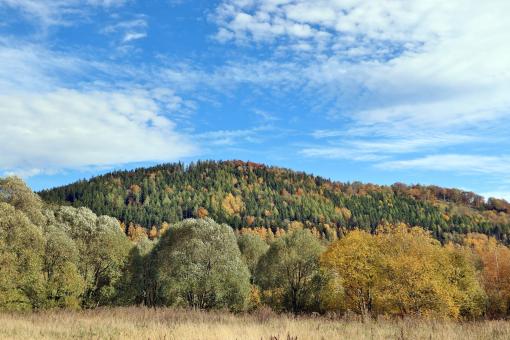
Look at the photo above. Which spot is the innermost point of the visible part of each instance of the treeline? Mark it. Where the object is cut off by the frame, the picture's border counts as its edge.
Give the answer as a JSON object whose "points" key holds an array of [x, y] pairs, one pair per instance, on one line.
{"points": [[56, 256], [250, 195]]}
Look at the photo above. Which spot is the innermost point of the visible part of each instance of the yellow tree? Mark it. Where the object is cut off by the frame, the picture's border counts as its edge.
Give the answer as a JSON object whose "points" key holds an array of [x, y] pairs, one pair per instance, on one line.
{"points": [[470, 295], [400, 271], [416, 274], [495, 260], [354, 266], [232, 204]]}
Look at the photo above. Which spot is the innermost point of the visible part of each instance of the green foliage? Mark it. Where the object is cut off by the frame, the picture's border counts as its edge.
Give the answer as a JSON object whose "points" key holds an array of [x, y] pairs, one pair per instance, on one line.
{"points": [[102, 247], [14, 192], [289, 272], [21, 260], [65, 285], [252, 248], [252, 195], [138, 284], [199, 264], [65, 257]]}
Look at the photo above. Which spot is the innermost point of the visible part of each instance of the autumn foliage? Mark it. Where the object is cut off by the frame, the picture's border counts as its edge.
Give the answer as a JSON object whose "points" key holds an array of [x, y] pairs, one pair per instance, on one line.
{"points": [[65, 257], [401, 271]]}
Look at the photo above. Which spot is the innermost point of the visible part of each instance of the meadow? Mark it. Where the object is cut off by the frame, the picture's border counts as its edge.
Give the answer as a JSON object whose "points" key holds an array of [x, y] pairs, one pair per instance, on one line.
{"points": [[167, 323]]}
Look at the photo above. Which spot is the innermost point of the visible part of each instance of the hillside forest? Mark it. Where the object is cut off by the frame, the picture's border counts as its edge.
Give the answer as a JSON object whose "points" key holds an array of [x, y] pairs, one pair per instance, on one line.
{"points": [[242, 236], [270, 199]]}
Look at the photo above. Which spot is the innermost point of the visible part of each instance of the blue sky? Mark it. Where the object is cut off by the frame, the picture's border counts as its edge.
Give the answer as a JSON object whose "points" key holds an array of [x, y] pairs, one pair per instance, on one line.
{"points": [[375, 91]]}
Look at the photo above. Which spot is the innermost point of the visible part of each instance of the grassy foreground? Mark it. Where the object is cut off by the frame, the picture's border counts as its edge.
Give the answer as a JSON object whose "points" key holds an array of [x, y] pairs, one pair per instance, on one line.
{"points": [[144, 323]]}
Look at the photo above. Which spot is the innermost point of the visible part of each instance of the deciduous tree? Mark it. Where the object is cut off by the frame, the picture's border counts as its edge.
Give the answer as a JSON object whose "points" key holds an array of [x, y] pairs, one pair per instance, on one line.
{"points": [[289, 271], [199, 264]]}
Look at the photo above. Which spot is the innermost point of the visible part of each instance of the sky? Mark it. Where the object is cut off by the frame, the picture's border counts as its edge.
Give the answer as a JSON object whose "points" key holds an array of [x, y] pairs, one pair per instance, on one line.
{"points": [[352, 90]]}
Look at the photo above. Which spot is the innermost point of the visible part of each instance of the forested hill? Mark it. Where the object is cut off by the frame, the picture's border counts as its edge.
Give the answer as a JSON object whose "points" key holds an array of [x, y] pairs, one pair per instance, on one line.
{"points": [[253, 195]]}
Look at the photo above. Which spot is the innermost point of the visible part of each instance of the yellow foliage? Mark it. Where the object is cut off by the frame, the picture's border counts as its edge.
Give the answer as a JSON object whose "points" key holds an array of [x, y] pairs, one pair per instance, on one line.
{"points": [[250, 220], [265, 234], [354, 263], [136, 233], [279, 232], [495, 259], [233, 204], [295, 225], [401, 271], [153, 233], [330, 232], [254, 298], [135, 189], [164, 227], [346, 213]]}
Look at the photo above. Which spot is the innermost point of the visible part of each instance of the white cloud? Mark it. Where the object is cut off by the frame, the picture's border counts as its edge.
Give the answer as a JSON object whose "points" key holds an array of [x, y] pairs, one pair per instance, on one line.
{"points": [[401, 76], [266, 116], [493, 165], [72, 129], [50, 123], [264, 74], [130, 36], [333, 25], [377, 149], [56, 12], [130, 30], [232, 137], [32, 67], [332, 152]]}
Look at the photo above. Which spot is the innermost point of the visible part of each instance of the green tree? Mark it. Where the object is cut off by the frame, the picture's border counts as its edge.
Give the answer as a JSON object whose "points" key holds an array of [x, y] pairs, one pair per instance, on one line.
{"points": [[21, 261], [252, 248], [199, 264], [138, 284], [16, 193], [289, 271], [103, 251], [65, 286]]}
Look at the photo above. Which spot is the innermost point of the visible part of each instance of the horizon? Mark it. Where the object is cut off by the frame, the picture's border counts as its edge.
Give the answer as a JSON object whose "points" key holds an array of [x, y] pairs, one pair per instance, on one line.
{"points": [[346, 90]]}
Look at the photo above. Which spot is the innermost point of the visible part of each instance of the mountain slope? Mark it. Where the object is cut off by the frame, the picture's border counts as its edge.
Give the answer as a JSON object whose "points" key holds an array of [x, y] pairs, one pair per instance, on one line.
{"points": [[249, 194]]}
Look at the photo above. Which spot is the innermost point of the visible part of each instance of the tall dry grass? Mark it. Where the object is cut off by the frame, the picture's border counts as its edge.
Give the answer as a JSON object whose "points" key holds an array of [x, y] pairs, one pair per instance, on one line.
{"points": [[145, 323]]}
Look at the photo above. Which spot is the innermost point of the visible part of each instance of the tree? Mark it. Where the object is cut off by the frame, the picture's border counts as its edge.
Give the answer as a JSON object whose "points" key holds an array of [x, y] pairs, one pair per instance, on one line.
{"points": [[65, 285], [138, 284], [470, 295], [241, 195], [354, 264], [39, 263], [232, 204], [21, 261], [289, 271], [401, 271], [418, 274], [495, 262], [252, 248], [102, 247], [199, 265], [15, 192]]}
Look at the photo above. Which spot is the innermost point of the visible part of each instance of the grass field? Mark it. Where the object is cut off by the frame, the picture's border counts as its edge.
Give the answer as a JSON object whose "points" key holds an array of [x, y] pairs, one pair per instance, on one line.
{"points": [[144, 323]]}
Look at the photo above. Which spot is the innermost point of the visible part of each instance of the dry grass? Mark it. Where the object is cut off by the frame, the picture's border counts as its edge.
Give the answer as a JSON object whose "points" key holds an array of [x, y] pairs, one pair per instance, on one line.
{"points": [[144, 323]]}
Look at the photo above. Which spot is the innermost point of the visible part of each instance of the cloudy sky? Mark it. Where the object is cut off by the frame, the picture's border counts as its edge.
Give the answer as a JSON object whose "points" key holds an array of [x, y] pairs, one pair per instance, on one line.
{"points": [[377, 91]]}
